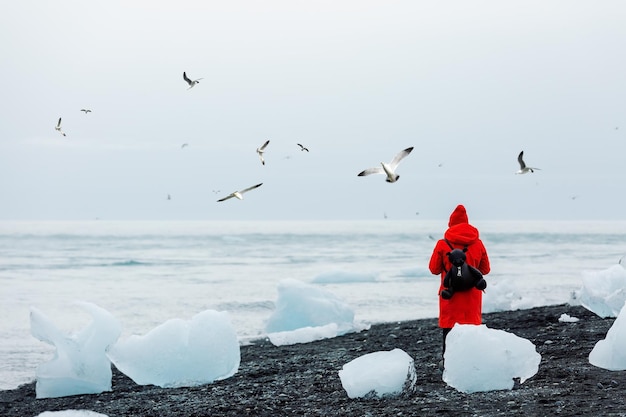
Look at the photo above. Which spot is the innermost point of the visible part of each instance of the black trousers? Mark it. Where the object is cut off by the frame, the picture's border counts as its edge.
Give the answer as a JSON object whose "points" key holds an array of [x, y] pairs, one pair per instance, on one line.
{"points": [[445, 334]]}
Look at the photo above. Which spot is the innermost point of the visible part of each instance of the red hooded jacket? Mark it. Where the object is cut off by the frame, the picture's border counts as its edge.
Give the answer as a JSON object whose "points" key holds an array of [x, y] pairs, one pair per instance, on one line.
{"points": [[464, 307]]}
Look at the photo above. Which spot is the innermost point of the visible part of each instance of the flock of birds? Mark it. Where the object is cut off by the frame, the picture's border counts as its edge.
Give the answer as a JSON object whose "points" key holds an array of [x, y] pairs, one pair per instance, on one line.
{"points": [[58, 126], [386, 169]]}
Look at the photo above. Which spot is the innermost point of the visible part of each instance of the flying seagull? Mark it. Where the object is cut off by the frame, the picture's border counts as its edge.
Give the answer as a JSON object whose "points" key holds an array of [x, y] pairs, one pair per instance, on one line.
{"points": [[303, 148], [523, 169], [85, 110], [388, 169], [261, 149], [239, 194], [190, 82], [184, 145], [58, 127]]}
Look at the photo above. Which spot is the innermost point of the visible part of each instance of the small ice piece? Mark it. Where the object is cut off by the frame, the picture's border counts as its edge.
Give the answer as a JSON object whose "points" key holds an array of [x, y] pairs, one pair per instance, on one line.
{"points": [[379, 374], [304, 335], [71, 413], [566, 318]]}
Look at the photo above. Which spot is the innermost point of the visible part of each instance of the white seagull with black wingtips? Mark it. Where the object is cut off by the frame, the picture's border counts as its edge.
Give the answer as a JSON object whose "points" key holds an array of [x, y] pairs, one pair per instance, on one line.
{"points": [[239, 194], [261, 149], [58, 127], [189, 81], [523, 169], [388, 169]]}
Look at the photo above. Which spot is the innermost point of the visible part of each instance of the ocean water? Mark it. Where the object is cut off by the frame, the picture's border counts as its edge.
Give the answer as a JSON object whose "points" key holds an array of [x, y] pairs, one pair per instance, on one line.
{"points": [[145, 273]]}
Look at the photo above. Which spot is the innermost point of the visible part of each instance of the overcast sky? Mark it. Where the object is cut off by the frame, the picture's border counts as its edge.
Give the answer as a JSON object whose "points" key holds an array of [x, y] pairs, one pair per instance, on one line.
{"points": [[469, 84]]}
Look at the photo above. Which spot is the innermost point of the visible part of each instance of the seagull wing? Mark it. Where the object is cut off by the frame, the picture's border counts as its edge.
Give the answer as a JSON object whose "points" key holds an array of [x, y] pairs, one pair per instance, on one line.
{"points": [[227, 197], [250, 188], [369, 171], [262, 148], [394, 163], [186, 78], [520, 159], [59, 123]]}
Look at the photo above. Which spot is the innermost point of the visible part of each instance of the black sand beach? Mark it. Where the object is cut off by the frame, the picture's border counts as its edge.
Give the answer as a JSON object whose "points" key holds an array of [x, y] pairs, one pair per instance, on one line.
{"points": [[303, 380]]}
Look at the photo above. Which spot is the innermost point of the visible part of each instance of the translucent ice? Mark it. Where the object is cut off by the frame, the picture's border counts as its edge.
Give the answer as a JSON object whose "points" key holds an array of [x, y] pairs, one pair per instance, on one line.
{"points": [[610, 353], [303, 305], [478, 358], [71, 413], [181, 353], [379, 374], [604, 292], [80, 365]]}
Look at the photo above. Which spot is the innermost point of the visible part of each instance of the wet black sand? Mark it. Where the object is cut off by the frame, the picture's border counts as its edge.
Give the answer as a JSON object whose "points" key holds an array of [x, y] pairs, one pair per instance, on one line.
{"points": [[303, 380]]}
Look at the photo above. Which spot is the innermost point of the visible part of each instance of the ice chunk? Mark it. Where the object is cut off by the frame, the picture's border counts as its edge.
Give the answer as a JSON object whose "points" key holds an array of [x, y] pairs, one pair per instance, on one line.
{"points": [[181, 353], [504, 295], [303, 305], [379, 374], [610, 353], [71, 413], [566, 318], [478, 359], [80, 365], [604, 292], [304, 335]]}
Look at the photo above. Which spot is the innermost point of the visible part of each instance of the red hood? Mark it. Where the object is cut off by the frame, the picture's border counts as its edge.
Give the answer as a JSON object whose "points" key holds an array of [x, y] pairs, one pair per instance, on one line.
{"points": [[459, 230], [462, 233]]}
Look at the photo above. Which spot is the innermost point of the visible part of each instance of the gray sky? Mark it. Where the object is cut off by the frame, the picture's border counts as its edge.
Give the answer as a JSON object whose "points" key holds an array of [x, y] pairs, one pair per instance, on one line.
{"points": [[469, 84]]}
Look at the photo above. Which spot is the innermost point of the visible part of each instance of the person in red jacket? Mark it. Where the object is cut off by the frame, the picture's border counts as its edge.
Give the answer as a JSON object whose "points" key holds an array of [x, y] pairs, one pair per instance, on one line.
{"points": [[465, 307]]}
